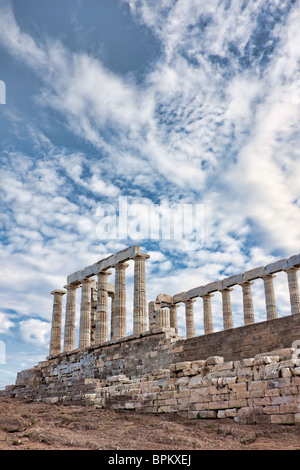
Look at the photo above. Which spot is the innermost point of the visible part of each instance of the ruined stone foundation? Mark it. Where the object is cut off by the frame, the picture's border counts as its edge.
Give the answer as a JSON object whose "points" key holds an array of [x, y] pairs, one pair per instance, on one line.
{"points": [[142, 373]]}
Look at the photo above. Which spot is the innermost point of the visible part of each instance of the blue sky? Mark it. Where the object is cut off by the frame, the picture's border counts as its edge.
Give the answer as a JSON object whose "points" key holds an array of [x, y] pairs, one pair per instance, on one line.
{"points": [[169, 102]]}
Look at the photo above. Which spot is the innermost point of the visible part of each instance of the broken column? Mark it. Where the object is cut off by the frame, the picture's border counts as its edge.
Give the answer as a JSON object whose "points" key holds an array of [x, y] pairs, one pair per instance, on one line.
{"points": [[139, 295], [102, 304], [69, 333], [162, 319], [85, 314], [189, 318], [120, 301], [293, 289], [55, 341]]}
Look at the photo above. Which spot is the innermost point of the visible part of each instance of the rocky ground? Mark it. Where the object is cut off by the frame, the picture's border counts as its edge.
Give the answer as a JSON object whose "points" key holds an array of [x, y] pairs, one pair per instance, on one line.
{"points": [[38, 426]]}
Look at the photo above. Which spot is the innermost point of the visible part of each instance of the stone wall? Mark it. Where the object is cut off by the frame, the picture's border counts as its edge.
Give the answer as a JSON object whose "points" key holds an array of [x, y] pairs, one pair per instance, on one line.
{"points": [[145, 372], [263, 389], [241, 342]]}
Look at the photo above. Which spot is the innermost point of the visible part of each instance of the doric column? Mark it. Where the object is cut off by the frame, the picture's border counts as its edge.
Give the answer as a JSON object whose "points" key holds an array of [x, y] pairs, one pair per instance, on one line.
{"points": [[102, 303], [207, 315], [69, 334], [112, 311], [55, 341], [139, 294], [173, 317], [85, 314], [163, 318], [227, 311], [189, 318], [247, 302], [270, 296], [293, 289], [120, 300]]}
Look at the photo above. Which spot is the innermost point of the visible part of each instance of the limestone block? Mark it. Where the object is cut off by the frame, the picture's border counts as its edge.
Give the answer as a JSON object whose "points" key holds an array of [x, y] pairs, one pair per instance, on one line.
{"points": [[212, 287], [232, 280], [195, 381], [178, 298], [283, 419], [285, 372], [277, 266], [164, 298], [212, 360], [207, 414], [294, 261], [253, 273], [192, 293]]}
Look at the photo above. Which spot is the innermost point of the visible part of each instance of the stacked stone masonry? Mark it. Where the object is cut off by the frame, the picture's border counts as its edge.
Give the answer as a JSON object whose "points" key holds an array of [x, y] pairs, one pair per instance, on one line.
{"points": [[263, 389], [224, 374]]}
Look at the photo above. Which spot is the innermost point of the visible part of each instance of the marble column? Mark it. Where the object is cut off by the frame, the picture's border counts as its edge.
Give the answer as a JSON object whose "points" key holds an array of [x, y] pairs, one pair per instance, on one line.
{"points": [[163, 318], [173, 317], [69, 334], [207, 314], [247, 302], [227, 310], [85, 314], [101, 334], [270, 296], [139, 294], [120, 300], [112, 311], [189, 318], [293, 289], [55, 341]]}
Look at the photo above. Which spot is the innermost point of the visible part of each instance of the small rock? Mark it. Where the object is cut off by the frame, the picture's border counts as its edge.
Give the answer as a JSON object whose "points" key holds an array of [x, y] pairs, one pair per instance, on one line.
{"points": [[248, 438]]}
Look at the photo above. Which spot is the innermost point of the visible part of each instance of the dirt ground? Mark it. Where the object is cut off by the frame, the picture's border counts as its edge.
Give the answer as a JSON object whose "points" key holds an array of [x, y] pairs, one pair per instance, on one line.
{"points": [[39, 426]]}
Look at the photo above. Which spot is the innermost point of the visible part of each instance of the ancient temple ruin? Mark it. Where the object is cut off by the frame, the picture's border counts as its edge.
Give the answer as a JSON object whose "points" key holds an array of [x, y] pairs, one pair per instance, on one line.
{"points": [[250, 373]]}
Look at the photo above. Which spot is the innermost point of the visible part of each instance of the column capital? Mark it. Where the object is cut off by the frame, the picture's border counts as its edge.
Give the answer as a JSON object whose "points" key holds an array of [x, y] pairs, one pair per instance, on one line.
{"points": [[121, 265], [207, 296], [104, 272], [293, 269], [226, 289], [245, 283], [140, 256], [87, 280], [72, 285], [189, 301], [268, 276], [58, 291]]}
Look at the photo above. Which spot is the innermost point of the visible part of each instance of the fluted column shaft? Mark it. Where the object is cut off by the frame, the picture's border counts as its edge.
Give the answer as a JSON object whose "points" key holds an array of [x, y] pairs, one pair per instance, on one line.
{"points": [[247, 302], [139, 294], [173, 317], [101, 334], [189, 318], [293, 289], [162, 319], [69, 334], [85, 314], [207, 314], [227, 310], [55, 341], [120, 300], [270, 296], [112, 312]]}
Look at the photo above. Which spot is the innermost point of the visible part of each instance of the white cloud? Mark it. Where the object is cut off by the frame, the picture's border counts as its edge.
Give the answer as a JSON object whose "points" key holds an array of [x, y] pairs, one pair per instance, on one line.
{"points": [[35, 331]]}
